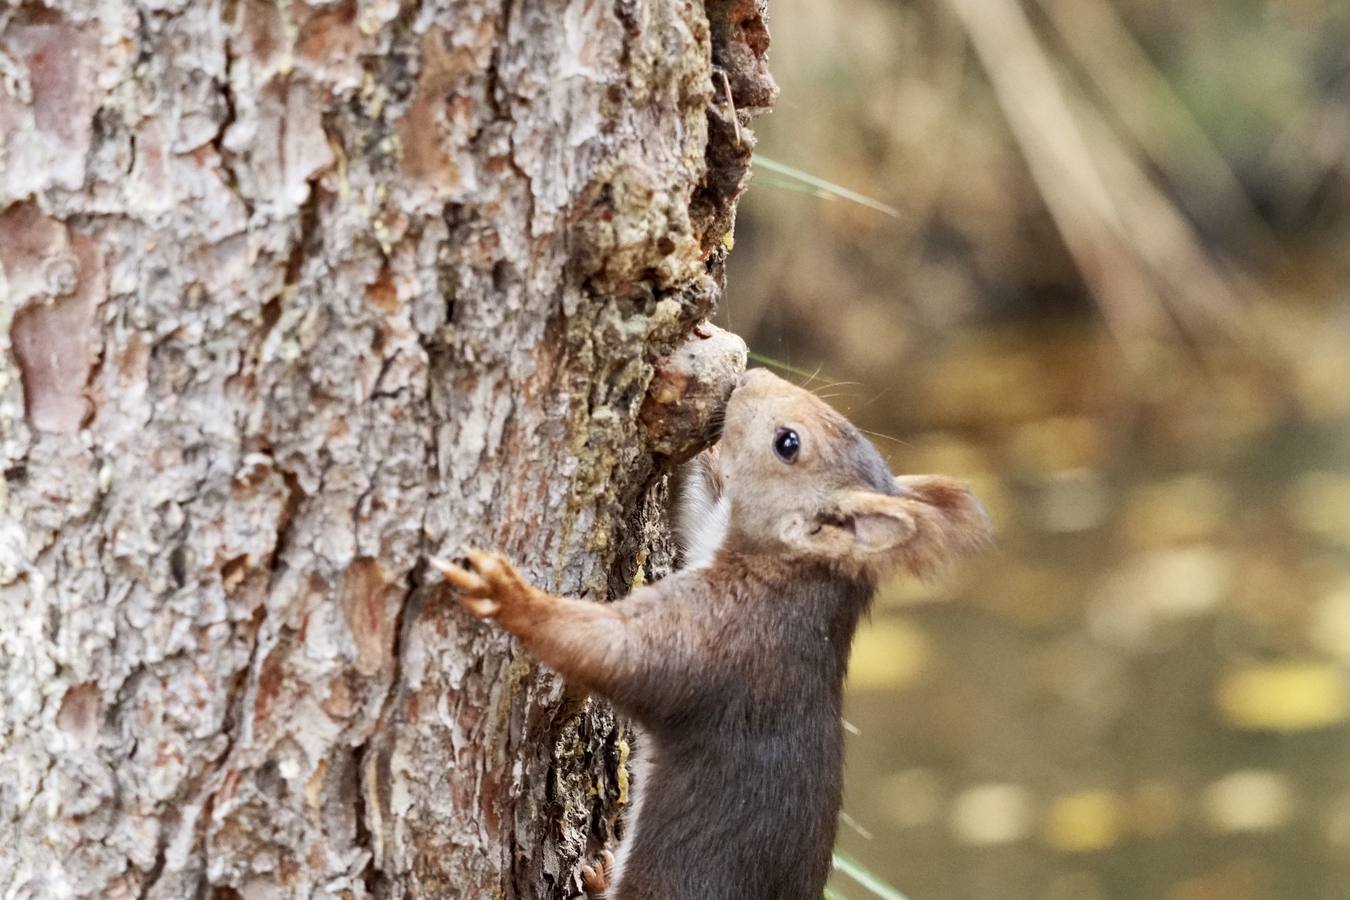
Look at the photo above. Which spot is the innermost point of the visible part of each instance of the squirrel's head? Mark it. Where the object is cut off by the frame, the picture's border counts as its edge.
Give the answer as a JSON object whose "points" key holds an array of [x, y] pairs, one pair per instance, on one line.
{"points": [[803, 481]]}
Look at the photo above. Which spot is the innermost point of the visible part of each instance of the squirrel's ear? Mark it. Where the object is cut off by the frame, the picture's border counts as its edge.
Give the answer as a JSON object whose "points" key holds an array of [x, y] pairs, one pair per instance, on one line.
{"points": [[858, 524], [930, 520]]}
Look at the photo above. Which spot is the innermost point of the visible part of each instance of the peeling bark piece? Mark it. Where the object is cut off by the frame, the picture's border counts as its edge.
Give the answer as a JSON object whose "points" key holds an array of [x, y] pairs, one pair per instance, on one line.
{"points": [[80, 712], [331, 43], [371, 605], [688, 391], [53, 340], [35, 254], [432, 131], [44, 131]]}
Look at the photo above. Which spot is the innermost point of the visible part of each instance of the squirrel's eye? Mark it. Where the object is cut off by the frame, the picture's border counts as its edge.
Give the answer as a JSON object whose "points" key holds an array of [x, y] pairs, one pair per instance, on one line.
{"points": [[786, 444]]}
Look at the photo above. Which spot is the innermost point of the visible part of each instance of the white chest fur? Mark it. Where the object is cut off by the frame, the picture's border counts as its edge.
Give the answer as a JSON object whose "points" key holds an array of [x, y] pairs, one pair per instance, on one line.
{"points": [[702, 511]]}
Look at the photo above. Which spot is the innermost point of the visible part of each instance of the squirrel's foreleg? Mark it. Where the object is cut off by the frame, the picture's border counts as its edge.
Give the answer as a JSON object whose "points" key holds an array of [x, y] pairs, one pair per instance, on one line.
{"points": [[585, 642]]}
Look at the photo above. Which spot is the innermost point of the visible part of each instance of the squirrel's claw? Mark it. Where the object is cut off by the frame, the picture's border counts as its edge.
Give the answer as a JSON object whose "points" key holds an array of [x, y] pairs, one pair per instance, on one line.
{"points": [[474, 590], [595, 878], [460, 578], [480, 606], [484, 582]]}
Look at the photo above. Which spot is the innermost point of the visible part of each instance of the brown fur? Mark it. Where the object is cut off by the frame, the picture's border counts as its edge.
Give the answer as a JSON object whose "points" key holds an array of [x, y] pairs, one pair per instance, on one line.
{"points": [[735, 669]]}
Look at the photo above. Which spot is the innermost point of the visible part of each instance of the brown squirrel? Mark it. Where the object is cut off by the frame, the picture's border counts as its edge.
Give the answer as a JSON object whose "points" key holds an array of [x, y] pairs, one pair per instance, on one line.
{"points": [[733, 667]]}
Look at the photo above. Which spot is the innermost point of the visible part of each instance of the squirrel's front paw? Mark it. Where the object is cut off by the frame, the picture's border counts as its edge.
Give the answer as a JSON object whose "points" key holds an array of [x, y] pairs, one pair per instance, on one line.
{"points": [[485, 581]]}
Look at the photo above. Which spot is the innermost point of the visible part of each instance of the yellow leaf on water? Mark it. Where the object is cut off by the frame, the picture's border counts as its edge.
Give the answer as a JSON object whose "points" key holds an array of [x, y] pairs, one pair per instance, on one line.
{"points": [[1084, 822], [1288, 696]]}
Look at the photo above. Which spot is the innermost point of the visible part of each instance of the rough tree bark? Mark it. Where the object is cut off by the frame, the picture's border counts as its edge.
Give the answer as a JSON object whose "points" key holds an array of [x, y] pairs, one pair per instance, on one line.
{"points": [[294, 294]]}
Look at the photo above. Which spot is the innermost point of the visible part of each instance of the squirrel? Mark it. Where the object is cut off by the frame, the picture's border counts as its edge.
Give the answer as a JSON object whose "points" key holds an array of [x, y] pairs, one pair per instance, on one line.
{"points": [[733, 667]]}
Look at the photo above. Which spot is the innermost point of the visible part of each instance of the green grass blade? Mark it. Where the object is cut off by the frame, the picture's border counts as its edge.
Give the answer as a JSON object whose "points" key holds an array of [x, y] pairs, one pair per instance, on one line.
{"points": [[787, 184], [853, 869], [779, 364], [827, 186]]}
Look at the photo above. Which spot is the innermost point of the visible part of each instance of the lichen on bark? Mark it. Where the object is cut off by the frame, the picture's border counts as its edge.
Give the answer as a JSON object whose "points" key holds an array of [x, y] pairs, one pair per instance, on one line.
{"points": [[296, 294]]}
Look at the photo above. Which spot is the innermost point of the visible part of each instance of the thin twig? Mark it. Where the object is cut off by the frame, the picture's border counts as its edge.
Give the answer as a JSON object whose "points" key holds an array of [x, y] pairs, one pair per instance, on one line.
{"points": [[731, 105]]}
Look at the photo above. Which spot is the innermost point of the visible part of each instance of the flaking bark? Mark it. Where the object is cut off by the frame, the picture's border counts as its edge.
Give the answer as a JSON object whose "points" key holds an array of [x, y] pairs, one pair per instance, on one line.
{"points": [[295, 294]]}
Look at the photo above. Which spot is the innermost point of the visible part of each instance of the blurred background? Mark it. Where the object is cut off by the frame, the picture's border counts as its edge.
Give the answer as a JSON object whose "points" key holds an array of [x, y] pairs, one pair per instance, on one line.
{"points": [[1099, 265]]}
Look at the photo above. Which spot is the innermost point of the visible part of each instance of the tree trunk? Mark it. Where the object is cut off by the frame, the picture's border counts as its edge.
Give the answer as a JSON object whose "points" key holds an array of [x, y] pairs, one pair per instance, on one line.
{"points": [[294, 295]]}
